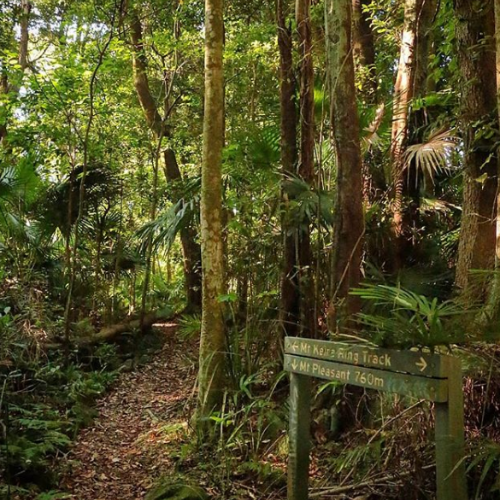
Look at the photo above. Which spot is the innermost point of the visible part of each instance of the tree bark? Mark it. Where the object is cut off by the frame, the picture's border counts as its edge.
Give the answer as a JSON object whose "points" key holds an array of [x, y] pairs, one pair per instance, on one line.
{"points": [[474, 33], [190, 248], [364, 49], [410, 82], [5, 86], [349, 218], [290, 298], [413, 179], [211, 377], [493, 309], [306, 165], [403, 93], [141, 81], [423, 45], [24, 34]]}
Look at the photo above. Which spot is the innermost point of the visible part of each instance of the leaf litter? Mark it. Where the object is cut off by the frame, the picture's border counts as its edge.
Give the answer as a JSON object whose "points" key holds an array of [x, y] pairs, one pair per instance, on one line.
{"points": [[123, 453]]}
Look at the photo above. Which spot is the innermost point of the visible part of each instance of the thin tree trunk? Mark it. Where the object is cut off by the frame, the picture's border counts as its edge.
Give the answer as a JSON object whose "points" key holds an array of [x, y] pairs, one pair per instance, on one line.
{"points": [[5, 86], [190, 248], [81, 193], [474, 33], [364, 57], [306, 164], [141, 81], [149, 247], [290, 298], [4, 89], [24, 34], [211, 377], [364, 49], [423, 46], [349, 219]]}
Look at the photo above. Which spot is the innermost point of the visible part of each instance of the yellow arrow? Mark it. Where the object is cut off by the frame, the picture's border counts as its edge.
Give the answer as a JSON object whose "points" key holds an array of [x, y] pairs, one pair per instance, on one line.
{"points": [[422, 364], [294, 364], [295, 346]]}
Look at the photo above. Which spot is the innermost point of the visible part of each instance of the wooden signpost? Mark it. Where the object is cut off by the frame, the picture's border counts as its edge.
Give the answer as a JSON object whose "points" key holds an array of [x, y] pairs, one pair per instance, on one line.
{"points": [[421, 375]]}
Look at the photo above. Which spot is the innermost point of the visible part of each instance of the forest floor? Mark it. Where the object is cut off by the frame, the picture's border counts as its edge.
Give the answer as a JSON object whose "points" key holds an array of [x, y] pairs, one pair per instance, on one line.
{"points": [[124, 452]]}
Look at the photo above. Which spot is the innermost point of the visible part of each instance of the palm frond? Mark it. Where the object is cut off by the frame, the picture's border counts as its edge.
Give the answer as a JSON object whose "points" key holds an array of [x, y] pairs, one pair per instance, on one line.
{"points": [[410, 319], [433, 156], [264, 149], [162, 231]]}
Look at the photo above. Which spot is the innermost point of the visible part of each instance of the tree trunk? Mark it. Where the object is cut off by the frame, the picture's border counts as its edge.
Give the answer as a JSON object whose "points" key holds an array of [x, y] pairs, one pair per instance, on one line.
{"points": [[141, 81], [306, 165], [190, 248], [290, 298], [413, 179], [349, 219], [5, 87], [410, 82], [403, 93], [364, 56], [423, 45], [364, 49], [474, 33], [211, 377], [493, 309]]}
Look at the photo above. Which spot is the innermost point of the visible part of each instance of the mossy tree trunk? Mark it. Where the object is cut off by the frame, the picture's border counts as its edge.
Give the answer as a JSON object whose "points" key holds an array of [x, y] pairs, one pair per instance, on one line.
{"points": [[211, 377], [476, 55], [349, 218]]}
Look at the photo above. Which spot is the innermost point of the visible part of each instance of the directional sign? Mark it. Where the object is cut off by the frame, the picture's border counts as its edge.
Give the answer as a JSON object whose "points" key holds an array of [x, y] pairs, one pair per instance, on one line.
{"points": [[432, 389], [413, 362], [421, 375]]}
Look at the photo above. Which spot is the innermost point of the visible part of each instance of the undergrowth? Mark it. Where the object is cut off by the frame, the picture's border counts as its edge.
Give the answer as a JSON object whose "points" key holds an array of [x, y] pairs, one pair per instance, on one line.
{"points": [[46, 396]]}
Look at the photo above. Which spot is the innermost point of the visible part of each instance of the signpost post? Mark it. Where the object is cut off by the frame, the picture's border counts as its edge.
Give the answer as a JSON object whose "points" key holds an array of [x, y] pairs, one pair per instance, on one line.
{"points": [[421, 375]]}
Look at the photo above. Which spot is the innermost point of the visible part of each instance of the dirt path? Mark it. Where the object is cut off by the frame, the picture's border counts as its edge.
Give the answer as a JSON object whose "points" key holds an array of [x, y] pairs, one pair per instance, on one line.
{"points": [[122, 454]]}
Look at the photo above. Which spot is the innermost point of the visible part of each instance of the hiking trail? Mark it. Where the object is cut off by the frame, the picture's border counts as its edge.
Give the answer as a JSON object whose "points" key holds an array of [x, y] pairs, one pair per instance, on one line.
{"points": [[123, 452]]}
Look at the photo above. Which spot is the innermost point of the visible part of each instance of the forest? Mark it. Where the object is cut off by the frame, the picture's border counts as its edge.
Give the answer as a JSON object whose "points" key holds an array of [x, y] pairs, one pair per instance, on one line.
{"points": [[188, 188]]}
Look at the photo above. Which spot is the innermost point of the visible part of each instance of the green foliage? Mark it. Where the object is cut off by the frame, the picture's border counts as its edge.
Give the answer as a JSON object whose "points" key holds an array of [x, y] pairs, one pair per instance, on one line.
{"points": [[404, 319], [306, 204], [190, 326], [167, 490], [359, 456], [43, 404], [485, 462]]}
